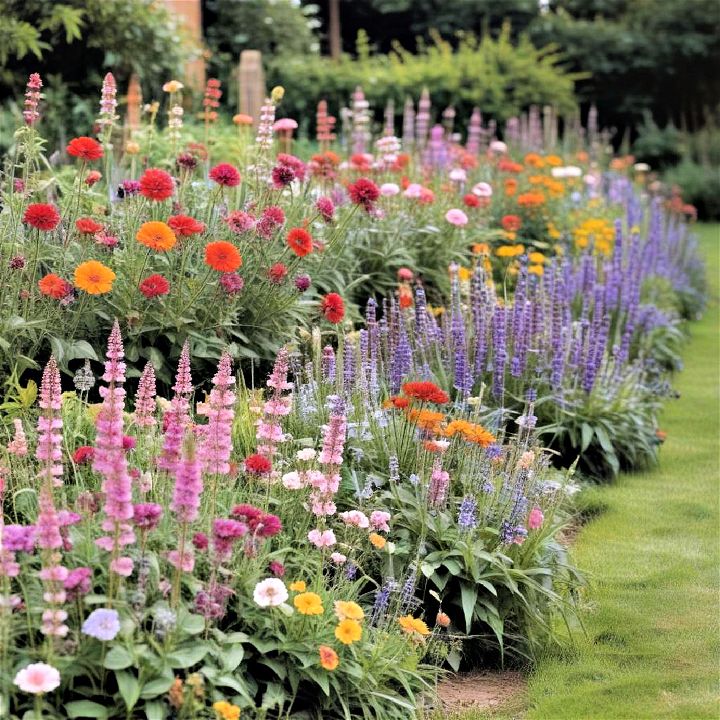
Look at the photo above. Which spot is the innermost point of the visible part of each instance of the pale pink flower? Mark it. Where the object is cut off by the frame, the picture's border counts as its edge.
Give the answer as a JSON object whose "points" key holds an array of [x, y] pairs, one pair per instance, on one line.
{"points": [[270, 593], [379, 520], [355, 518], [456, 217], [306, 454], [389, 189], [37, 678], [18, 445], [322, 538], [483, 190], [536, 518], [338, 558]]}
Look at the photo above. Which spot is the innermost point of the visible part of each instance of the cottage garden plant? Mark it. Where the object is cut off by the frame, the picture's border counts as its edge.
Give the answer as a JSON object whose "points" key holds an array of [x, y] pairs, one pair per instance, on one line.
{"points": [[293, 437]]}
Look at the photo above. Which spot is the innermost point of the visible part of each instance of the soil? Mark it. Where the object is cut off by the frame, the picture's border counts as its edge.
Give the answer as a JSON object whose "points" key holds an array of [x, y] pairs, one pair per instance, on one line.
{"points": [[480, 691]]}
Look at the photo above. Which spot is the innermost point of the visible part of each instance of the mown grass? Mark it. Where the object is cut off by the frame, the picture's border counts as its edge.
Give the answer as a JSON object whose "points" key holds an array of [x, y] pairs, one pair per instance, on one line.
{"points": [[652, 648]]}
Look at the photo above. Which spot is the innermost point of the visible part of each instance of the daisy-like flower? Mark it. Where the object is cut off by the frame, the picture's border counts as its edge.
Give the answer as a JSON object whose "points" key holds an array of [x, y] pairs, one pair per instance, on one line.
{"points": [[308, 603], [85, 148], [270, 593], [348, 610], [94, 278], [348, 631], [414, 626], [156, 235], [222, 256]]}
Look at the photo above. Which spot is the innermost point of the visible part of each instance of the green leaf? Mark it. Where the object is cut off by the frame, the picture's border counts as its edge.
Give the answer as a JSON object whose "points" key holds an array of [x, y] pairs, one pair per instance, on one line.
{"points": [[85, 709], [156, 687], [155, 710], [186, 657], [454, 659], [273, 697], [129, 688], [232, 657], [192, 624], [118, 658], [468, 594]]}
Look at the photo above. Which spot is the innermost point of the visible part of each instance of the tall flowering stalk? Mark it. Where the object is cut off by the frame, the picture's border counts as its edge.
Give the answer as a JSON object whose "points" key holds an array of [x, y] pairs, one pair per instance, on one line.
{"points": [[32, 99], [49, 539], [422, 119], [269, 431], [186, 506], [360, 121], [326, 483], [325, 126], [408, 125], [110, 462], [144, 415], [216, 444], [177, 417], [106, 122]]}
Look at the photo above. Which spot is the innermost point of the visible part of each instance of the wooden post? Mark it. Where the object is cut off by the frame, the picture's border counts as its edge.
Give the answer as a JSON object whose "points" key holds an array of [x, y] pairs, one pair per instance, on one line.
{"points": [[134, 102], [252, 83], [334, 34], [189, 13]]}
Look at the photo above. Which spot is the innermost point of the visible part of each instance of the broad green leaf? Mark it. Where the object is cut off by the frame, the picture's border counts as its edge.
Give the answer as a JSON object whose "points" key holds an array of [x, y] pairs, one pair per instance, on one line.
{"points": [[85, 709], [468, 595], [129, 688], [118, 658]]}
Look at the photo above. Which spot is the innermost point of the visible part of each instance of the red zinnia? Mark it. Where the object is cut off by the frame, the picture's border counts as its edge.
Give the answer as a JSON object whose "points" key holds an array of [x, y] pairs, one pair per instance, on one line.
{"points": [[185, 226], [333, 308], [85, 148], [42, 216], [225, 174], [154, 285], [88, 226], [471, 200], [257, 465], [156, 184], [83, 454], [300, 241], [511, 223], [363, 192], [54, 286], [425, 391], [222, 256], [277, 273]]}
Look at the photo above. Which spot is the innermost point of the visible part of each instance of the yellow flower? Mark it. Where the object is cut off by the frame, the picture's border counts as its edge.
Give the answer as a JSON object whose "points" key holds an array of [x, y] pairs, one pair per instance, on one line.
{"points": [[413, 626], [464, 273], [348, 610], [508, 251], [378, 541], [278, 93], [94, 278], [173, 86], [536, 269], [132, 148], [298, 586], [536, 257], [226, 710], [308, 603], [348, 631]]}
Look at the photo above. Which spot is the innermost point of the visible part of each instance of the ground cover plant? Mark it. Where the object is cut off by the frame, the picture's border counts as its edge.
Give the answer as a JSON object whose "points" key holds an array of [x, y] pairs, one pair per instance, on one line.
{"points": [[293, 436]]}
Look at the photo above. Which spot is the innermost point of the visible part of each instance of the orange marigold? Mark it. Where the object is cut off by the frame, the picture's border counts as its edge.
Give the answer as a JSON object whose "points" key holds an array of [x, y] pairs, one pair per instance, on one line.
{"points": [[156, 235], [94, 278], [425, 419], [222, 256]]}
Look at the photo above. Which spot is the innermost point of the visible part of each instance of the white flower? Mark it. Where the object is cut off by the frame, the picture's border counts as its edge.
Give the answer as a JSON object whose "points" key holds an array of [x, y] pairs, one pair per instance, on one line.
{"points": [[292, 481], [270, 593], [306, 454]]}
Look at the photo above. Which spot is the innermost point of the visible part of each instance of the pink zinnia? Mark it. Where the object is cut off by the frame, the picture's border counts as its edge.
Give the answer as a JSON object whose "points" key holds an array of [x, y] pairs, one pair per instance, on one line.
{"points": [[456, 217], [226, 175]]}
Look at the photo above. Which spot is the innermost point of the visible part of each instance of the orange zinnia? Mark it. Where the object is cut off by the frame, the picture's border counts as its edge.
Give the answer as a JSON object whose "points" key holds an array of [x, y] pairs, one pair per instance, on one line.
{"points": [[156, 235], [94, 278], [222, 256], [328, 657]]}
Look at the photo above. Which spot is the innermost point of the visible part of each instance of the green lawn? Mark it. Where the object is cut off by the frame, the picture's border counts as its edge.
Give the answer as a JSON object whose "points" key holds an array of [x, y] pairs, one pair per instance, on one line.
{"points": [[653, 622]]}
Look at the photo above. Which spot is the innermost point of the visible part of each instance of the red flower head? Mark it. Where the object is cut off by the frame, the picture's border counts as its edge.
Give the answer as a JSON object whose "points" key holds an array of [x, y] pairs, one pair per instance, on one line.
{"points": [[54, 286], [85, 148], [471, 200], [83, 454], [300, 241], [156, 184], [333, 308], [326, 208], [92, 177], [425, 391], [282, 176], [405, 274], [185, 226], [363, 192], [257, 465], [226, 175], [511, 223], [222, 256], [277, 273], [154, 286], [42, 216], [88, 226]]}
